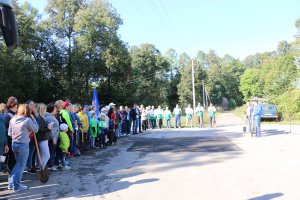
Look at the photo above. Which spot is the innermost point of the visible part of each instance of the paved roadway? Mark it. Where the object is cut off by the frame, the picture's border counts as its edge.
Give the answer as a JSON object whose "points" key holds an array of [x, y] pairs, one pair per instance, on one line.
{"points": [[183, 164]]}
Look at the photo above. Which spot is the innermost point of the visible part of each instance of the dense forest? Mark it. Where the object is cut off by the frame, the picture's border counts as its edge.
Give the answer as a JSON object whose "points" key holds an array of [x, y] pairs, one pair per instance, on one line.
{"points": [[76, 47]]}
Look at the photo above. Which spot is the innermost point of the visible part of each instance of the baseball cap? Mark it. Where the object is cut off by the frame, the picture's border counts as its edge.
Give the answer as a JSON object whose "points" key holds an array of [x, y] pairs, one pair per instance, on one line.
{"points": [[86, 106], [111, 104], [65, 104], [107, 108], [63, 127], [103, 109]]}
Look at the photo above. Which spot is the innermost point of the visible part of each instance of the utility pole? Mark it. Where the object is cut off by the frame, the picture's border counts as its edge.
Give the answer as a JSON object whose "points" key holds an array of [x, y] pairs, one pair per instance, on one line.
{"points": [[193, 80], [203, 93]]}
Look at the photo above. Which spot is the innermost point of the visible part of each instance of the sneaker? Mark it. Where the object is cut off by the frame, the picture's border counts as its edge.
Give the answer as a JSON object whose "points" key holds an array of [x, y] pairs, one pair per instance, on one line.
{"points": [[21, 188], [32, 171], [66, 168], [10, 187], [54, 168]]}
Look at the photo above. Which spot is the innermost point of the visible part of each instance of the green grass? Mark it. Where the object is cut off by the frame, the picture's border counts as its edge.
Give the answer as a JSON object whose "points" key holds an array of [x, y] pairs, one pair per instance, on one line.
{"points": [[239, 111]]}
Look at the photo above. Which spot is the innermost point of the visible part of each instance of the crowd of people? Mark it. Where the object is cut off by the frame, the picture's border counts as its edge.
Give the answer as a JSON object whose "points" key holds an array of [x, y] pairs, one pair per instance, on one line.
{"points": [[61, 130], [253, 117]]}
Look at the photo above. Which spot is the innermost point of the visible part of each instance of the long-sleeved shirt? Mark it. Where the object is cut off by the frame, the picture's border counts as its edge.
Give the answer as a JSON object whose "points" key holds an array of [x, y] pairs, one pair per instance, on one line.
{"points": [[20, 127], [177, 111], [55, 127], [3, 139]]}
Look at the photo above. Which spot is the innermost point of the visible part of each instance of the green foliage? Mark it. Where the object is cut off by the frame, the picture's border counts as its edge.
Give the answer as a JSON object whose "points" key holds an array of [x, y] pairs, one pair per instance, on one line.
{"points": [[232, 104]]}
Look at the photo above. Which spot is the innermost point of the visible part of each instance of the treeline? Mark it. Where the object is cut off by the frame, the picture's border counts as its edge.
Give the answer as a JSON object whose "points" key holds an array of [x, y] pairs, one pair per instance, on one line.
{"points": [[76, 47]]}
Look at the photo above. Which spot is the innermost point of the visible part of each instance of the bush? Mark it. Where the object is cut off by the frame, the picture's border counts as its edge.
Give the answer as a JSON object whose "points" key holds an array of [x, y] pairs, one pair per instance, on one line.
{"points": [[232, 104]]}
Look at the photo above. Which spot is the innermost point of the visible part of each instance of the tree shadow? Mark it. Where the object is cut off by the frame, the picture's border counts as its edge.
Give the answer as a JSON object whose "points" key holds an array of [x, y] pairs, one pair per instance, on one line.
{"points": [[268, 196]]}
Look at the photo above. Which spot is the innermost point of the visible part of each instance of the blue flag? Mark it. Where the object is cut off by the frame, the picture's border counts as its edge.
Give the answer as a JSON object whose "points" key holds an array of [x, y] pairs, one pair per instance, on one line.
{"points": [[95, 101]]}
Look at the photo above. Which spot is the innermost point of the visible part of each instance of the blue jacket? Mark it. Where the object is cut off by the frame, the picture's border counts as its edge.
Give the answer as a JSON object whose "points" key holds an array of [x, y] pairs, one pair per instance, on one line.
{"points": [[257, 112], [3, 138]]}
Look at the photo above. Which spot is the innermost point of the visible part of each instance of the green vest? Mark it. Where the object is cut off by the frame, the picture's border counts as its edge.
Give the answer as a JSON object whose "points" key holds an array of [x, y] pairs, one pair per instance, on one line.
{"points": [[159, 116], [93, 128]]}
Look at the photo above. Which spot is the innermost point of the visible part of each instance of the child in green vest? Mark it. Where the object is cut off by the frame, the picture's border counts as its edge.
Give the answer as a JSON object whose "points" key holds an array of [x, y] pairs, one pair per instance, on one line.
{"points": [[93, 130], [168, 116], [102, 125], [64, 145]]}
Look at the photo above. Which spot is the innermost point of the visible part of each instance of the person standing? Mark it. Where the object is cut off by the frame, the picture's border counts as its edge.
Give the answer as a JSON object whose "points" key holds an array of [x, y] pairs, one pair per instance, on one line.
{"points": [[212, 115], [249, 112], [168, 115], [128, 120], [200, 114], [257, 117], [160, 116], [43, 135], [134, 117], [189, 116], [177, 113], [11, 109], [3, 139], [19, 129], [144, 118], [54, 134], [85, 124]]}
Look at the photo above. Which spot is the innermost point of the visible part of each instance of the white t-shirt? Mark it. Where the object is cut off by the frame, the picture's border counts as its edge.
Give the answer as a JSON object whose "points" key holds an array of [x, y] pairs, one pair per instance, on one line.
{"points": [[189, 111]]}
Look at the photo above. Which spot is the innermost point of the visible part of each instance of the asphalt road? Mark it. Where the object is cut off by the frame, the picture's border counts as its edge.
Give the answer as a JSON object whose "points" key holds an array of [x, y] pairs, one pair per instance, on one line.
{"points": [[183, 164]]}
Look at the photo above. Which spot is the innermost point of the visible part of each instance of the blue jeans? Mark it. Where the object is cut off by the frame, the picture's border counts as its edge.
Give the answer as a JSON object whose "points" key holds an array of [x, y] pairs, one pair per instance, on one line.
{"points": [[135, 125], [119, 129], [30, 155], [257, 129], [21, 151], [168, 123], [177, 121]]}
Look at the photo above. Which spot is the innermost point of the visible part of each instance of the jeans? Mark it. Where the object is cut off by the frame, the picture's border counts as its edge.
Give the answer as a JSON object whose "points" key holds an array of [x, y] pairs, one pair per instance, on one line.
{"points": [[249, 123], [63, 159], [168, 123], [257, 122], [140, 125], [92, 141], [52, 149], [135, 125], [160, 123], [31, 152], [211, 121], [177, 121], [21, 151], [200, 120], [119, 129], [128, 123]]}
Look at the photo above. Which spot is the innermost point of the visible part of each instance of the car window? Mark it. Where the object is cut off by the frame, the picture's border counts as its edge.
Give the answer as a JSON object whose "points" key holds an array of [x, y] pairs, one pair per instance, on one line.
{"points": [[268, 107]]}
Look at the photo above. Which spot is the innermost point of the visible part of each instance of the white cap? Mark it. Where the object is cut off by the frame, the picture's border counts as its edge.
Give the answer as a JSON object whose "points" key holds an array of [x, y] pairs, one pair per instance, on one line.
{"points": [[103, 109], [111, 104], [63, 127], [107, 108]]}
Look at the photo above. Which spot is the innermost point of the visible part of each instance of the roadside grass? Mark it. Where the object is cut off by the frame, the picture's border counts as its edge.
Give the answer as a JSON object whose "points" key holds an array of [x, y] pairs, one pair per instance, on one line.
{"points": [[239, 111]]}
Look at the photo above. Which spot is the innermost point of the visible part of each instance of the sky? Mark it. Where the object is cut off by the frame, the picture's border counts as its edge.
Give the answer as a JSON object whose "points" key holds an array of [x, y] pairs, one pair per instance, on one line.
{"points": [[235, 27]]}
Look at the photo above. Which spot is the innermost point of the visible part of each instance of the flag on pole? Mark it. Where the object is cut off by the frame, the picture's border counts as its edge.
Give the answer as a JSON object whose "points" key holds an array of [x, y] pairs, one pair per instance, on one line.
{"points": [[95, 101]]}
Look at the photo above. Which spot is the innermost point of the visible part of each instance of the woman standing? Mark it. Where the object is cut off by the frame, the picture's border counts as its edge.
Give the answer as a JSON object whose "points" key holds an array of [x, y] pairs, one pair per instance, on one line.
{"points": [[43, 135], [32, 153], [19, 129], [50, 118], [12, 107]]}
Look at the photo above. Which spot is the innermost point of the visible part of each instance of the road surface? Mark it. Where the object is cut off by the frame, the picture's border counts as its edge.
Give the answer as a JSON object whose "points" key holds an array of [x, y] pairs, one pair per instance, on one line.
{"points": [[183, 164]]}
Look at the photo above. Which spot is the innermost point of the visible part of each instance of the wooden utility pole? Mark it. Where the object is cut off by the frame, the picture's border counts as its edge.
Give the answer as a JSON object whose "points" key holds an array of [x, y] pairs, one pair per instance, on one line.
{"points": [[193, 80]]}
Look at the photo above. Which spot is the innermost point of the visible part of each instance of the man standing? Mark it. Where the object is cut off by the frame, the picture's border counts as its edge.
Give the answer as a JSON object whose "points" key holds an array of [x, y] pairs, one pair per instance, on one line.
{"points": [[249, 112], [159, 114], [189, 116], [135, 118], [168, 115], [257, 117], [177, 113], [212, 115], [200, 114]]}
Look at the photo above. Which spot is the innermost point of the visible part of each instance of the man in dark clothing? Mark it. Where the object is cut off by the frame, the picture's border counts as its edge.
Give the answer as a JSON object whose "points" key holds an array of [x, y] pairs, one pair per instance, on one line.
{"points": [[134, 118]]}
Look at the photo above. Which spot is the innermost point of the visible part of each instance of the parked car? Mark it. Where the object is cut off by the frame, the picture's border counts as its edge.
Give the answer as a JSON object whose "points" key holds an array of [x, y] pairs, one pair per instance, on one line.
{"points": [[269, 112]]}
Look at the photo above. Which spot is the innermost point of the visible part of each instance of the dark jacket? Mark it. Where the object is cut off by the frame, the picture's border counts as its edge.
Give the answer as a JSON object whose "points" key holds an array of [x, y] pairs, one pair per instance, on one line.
{"points": [[43, 133], [3, 139], [133, 113], [6, 118]]}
